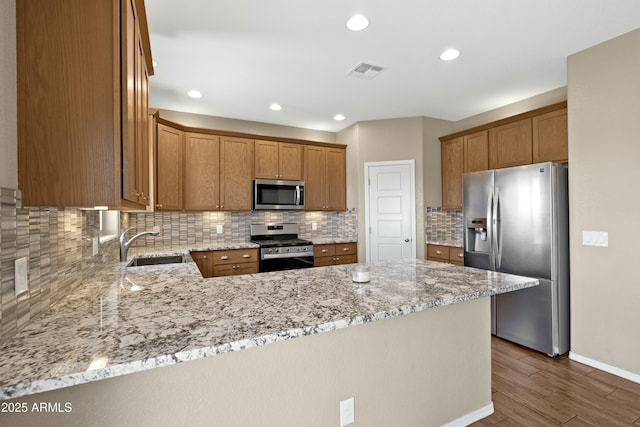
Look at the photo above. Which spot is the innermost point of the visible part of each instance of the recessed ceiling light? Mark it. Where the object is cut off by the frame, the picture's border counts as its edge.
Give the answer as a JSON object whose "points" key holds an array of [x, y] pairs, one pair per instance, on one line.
{"points": [[357, 23], [449, 54], [275, 107], [195, 94], [339, 117]]}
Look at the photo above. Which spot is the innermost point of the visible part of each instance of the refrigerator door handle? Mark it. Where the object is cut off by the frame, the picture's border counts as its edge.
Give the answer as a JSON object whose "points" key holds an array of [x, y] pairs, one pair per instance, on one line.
{"points": [[497, 230], [492, 257]]}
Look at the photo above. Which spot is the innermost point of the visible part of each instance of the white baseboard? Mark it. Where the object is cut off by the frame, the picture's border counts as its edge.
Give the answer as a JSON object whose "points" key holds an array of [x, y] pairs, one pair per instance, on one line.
{"points": [[604, 367], [472, 417]]}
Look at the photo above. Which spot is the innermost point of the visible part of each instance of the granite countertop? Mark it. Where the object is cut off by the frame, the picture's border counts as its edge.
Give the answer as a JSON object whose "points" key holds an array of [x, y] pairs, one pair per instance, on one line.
{"points": [[137, 318], [452, 243], [330, 240]]}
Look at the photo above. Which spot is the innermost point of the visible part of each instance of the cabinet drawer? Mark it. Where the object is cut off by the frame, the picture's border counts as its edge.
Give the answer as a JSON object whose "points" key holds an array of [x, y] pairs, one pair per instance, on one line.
{"points": [[235, 269], [235, 256], [346, 259], [324, 250], [456, 256], [438, 253], [323, 261], [346, 249]]}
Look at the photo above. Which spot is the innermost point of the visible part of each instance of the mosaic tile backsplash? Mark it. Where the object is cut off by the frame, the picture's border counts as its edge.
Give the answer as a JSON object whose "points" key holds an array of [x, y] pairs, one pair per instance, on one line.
{"points": [[184, 228], [443, 226], [58, 246]]}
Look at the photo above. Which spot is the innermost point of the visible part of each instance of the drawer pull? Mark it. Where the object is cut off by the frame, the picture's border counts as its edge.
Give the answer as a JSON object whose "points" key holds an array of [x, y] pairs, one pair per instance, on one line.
{"points": [[324, 251], [460, 255], [345, 249], [246, 256], [224, 257], [439, 252]]}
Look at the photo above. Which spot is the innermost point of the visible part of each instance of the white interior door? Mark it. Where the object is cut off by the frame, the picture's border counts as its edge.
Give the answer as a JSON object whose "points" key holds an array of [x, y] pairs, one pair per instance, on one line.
{"points": [[390, 210]]}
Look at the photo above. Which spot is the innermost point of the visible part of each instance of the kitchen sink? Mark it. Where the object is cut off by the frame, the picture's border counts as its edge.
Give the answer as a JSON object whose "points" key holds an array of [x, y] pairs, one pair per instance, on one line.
{"points": [[171, 259]]}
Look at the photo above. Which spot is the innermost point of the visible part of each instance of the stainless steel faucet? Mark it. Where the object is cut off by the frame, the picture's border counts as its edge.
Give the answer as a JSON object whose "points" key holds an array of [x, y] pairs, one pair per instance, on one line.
{"points": [[125, 244]]}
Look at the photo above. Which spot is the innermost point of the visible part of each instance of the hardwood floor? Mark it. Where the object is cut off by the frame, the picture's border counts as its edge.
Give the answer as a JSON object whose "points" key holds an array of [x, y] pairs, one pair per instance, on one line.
{"points": [[531, 389]]}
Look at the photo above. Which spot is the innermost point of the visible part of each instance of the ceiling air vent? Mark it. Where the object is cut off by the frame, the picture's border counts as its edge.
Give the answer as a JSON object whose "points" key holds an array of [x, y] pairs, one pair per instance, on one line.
{"points": [[365, 71]]}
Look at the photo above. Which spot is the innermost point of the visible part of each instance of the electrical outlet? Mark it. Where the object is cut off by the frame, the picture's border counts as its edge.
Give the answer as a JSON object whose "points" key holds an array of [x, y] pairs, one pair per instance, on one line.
{"points": [[95, 245], [219, 229], [21, 279], [314, 226], [595, 238], [347, 412]]}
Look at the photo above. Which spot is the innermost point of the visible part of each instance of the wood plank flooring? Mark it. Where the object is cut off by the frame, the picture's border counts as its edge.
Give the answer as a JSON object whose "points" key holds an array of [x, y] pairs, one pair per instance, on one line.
{"points": [[531, 389]]}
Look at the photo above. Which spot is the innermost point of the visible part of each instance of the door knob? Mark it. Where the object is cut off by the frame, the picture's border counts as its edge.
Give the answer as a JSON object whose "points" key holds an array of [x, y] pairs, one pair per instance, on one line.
{"points": [[406, 240]]}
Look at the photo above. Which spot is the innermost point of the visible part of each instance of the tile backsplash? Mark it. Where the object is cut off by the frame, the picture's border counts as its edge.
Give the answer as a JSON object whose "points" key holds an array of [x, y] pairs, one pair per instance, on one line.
{"points": [[57, 243], [443, 226], [184, 228]]}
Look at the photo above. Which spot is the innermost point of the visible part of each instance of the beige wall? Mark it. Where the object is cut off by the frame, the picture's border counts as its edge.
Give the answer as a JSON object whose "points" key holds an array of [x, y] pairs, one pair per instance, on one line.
{"points": [[256, 128], [604, 148], [538, 101], [423, 369], [8, 99], [412, 138]]}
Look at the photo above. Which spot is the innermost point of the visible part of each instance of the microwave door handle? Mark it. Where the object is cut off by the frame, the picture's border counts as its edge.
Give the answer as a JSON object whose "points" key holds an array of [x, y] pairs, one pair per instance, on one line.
{"points": [[297, 195]]}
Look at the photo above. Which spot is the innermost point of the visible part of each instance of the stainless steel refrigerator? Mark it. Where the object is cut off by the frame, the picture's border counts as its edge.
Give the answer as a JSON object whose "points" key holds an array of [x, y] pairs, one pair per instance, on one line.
{"points": [[516, 221]]}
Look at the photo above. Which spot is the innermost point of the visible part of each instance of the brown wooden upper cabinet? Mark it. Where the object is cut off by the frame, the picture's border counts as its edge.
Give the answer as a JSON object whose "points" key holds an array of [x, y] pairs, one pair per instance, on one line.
{"points": [[325, 178], [83, 107], [236, 170], [550, 137], [510, 144], [169, 169], [451, 152], [476, 151], [278, 160], [202, 172]]}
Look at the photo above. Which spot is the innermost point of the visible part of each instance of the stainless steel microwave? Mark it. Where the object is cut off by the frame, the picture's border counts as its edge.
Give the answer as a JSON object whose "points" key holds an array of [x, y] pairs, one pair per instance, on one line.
{"points": [[278, 194]]}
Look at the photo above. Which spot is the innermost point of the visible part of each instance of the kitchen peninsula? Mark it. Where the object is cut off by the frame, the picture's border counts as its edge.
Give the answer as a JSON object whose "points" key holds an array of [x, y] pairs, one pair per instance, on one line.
{"points": [[412, 346]]}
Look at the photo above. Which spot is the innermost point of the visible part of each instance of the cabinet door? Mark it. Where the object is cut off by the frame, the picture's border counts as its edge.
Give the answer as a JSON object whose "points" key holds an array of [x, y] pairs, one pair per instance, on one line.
{"points": [[476, 151], [510, 145], [142, 123], [452, 167], [336, 179], [202, 172], [290, 161], [204, 261], [169, 164], [438, 253], [315, 187], [266, 160], [236, 172], [130, 190], [550, 137]]}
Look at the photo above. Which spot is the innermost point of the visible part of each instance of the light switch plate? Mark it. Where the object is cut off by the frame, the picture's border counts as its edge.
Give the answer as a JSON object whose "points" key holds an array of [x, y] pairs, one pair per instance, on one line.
{"points": [[21, 278], [595, 238], [314, 226], [219, 229], [347, 412]]}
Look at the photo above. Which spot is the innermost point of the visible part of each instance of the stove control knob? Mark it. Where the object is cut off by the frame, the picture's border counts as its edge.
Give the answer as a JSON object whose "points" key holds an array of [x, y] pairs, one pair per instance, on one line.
{"points": [[286, 249]]}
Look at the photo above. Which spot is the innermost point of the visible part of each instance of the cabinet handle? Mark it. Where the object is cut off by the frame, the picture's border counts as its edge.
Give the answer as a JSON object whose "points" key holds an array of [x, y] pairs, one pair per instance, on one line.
{"points": [[221, 207], [345, 249], [158, 206], [204, 257], [224, 257], [246, 256], [439, 253], [460, 255], [324, 251]]}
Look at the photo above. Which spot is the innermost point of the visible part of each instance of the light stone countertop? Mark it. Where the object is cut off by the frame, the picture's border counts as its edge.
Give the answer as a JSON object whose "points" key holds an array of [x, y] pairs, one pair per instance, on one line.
{"points": [[139, 318], [452, 243]]}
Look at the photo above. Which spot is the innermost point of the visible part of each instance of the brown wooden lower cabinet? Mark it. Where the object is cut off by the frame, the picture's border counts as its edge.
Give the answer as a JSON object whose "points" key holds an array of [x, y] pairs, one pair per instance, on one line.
{"points": [[335, 254], [448, 254], [228, 262]]}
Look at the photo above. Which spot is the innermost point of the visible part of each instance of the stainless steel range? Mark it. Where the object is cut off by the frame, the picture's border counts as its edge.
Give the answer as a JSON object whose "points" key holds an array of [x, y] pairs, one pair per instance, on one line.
{"points": [[280, 247]]}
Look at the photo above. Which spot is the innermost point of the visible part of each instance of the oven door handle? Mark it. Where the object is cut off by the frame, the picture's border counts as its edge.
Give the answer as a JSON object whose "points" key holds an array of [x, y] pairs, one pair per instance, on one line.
{"points": [[287, 255]]}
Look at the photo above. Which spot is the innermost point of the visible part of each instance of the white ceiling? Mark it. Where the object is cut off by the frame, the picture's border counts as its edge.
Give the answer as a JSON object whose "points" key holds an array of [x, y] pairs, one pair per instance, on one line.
{"points": [[247, 54]]}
